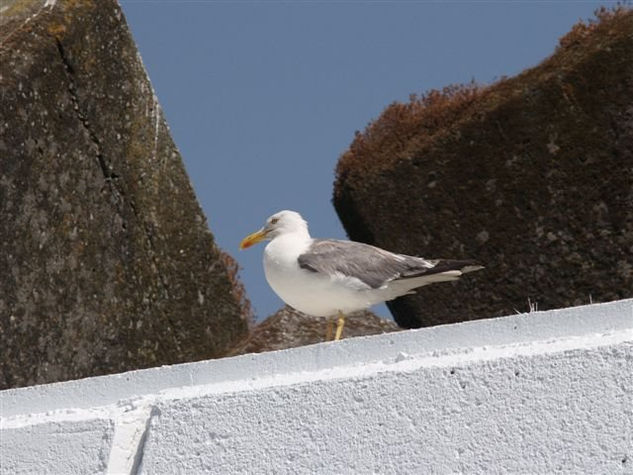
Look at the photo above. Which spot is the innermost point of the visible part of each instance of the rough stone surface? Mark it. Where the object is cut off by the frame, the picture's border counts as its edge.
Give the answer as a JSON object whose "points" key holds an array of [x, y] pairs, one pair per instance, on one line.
{"points": [[289, 328], [531, 176], [107, 261]]}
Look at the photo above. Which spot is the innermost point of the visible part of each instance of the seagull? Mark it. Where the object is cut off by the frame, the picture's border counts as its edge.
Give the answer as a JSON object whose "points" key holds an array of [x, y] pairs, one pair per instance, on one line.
{"points": [[330, 277]]}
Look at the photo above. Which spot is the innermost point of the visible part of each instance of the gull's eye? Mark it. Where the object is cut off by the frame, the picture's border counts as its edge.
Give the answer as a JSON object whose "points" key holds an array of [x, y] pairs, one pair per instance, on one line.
{"points": [[274, 221]]}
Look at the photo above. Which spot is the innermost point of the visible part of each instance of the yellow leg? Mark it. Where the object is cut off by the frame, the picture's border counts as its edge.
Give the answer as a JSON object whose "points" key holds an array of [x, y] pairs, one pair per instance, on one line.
{"points": [[339, 326], [330, 329]]}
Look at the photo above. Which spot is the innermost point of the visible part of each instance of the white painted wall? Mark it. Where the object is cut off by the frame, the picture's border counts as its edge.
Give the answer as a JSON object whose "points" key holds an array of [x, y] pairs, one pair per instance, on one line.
{"points": [[538, 393]]}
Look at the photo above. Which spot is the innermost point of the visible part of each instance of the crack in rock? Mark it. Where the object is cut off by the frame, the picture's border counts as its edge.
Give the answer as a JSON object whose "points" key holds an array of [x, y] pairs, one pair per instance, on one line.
{"points": [[108, 174], [106, 169]]}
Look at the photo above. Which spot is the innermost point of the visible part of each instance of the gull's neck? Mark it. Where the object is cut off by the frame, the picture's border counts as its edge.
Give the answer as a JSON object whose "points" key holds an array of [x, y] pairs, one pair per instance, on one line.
{"points": [[290, 243], [298, 234]]}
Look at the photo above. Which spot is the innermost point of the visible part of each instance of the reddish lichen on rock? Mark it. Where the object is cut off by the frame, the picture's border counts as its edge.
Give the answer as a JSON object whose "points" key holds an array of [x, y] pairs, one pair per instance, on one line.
{"points": [[530, 175]]}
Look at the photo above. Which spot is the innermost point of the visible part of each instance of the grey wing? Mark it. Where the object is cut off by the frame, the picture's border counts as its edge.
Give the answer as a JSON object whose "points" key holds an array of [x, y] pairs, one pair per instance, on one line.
{"points": [[373, 266]]}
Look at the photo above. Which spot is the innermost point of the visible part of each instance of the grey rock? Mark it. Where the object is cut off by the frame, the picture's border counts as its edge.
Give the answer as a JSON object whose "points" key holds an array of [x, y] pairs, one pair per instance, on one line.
{"points": [[107, 263], [289, 328]]}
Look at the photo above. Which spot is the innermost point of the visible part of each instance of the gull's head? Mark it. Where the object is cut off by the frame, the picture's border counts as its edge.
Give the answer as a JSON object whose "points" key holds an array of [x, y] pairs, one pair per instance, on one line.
{"points": [[283, 222]]}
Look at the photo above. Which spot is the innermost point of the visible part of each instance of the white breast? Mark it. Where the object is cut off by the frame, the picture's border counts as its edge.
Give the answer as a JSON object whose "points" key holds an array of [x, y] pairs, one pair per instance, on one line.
{"points": [[309, 292]]}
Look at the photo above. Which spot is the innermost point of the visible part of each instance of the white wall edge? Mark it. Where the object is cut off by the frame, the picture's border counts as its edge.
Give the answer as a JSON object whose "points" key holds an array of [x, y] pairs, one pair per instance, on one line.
{"points": [[128, 399], [245, 370]]}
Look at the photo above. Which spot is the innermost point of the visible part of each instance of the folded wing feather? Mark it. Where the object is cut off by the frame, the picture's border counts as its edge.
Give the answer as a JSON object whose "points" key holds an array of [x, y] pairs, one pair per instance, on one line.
{"points": [[373, 266]]}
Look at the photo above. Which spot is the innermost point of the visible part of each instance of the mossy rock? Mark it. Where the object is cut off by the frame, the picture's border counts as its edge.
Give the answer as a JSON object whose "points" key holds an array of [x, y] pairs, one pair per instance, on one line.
{"points": [[532, 176], [107, 260]]}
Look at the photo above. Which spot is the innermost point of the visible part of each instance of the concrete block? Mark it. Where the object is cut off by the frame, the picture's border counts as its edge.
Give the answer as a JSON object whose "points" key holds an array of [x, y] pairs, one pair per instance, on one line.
{"points": [[542, 409], [535, 393], [57, 447]]}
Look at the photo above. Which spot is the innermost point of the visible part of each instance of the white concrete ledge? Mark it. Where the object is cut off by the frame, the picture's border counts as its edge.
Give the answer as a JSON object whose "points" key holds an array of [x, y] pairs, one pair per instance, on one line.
{"points": [[539, 392]]}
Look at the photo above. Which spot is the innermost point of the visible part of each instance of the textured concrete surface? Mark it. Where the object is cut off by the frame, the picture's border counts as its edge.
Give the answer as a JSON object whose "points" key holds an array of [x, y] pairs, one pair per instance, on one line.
{"points": [[107, 260], [537, 411], [535, 393], [530, 176], [57, 447]]}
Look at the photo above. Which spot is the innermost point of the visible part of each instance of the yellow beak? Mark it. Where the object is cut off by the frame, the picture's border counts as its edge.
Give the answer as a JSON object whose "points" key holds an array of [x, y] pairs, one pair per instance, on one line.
{"points": [[251, 239]]}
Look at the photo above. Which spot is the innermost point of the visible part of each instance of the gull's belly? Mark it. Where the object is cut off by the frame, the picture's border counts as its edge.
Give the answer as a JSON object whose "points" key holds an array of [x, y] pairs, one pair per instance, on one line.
{"points": [[313, 293]]}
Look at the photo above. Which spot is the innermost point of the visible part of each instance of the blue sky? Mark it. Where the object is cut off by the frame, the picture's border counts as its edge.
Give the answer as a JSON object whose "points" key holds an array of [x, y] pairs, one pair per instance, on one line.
{"points": [[263, 97]]}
